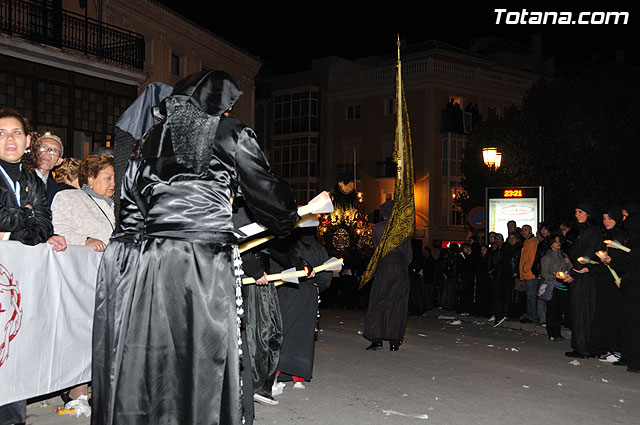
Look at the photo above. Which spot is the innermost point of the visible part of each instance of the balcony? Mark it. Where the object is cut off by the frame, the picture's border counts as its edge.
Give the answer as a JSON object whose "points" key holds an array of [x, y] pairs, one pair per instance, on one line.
{"points": [[47, 24]]}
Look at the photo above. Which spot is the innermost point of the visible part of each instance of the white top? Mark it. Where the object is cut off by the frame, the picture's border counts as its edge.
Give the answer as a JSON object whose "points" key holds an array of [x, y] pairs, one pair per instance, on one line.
{"points": [[78, 216]]}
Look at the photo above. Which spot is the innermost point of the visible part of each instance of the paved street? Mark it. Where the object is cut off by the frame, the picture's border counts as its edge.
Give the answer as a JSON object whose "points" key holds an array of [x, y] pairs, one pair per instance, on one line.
{"points": [[444, 374]]}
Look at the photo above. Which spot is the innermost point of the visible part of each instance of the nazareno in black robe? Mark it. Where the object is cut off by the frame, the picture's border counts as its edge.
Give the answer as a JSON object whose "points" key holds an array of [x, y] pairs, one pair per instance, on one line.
{"points": [[262, 322], [181, 348], [386, 317], [299, 307]]}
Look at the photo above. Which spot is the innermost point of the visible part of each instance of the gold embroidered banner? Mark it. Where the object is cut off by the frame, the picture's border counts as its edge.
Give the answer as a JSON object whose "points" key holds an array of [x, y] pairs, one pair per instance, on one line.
{"points": [[402, 223]]}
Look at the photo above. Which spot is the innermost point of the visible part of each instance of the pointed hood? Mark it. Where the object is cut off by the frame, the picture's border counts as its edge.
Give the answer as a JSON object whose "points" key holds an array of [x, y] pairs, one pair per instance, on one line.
{"points": [[213, 92]]}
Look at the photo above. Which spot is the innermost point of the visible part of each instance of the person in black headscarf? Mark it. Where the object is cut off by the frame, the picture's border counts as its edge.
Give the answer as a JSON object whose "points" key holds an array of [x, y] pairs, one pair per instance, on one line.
{"points": [[628, 267], [119, 263], [181, 349], [388, 301], [582, 282], [607, 331], [299, 307]]}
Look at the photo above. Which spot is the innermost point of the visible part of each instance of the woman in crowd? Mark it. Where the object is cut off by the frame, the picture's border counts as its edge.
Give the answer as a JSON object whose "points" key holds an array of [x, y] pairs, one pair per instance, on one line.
{"points": [[494, 263], [553, 261], [582, 282], [67, 174], [607, 335], [24, 211], [510, 270], [630, 285], [628, 267], [85, 216]]}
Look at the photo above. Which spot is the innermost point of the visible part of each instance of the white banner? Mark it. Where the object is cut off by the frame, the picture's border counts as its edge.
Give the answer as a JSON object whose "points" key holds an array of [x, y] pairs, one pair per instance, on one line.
{"points": [[46, 315]]}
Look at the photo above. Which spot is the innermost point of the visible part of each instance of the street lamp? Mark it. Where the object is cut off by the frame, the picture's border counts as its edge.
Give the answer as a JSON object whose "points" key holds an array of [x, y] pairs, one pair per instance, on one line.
{"points": [[492, 158]]}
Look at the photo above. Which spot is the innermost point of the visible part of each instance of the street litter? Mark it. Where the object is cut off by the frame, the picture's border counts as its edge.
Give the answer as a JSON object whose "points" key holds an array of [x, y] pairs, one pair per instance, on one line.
{"points": [[393, 412], [575, 363]]}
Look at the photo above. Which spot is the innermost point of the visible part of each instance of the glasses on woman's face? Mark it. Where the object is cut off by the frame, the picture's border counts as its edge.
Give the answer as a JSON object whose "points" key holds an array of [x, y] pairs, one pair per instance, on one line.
{"points": [[50, 150]]}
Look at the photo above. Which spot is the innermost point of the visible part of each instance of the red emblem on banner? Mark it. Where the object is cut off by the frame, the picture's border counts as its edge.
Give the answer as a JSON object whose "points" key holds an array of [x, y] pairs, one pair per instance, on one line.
{"points": [[10, 311]]}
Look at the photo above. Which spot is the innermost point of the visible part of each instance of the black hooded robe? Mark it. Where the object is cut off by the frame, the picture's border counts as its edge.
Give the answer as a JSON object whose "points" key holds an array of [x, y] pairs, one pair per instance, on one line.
{"points": [[181, 348], [386, 317], [299, 307]]}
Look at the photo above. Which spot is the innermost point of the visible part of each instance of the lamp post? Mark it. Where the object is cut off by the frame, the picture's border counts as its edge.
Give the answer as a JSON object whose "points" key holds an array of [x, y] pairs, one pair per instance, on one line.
{"points": [[492, 158]]}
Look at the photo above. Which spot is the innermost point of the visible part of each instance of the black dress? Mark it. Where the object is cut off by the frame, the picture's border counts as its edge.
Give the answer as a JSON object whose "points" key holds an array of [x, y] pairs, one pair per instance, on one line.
{"points": [[582, 294], [181, 349], [389, 299], [607, 328], [628, 267]]}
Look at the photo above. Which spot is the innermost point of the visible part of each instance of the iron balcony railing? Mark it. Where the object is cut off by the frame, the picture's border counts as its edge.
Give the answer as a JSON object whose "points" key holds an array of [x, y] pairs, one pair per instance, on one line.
{"points": [[45, 23]]}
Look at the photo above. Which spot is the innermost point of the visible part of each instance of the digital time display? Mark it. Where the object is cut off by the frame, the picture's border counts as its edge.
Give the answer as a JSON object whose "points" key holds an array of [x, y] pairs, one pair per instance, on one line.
{"points": [[512, 193]]}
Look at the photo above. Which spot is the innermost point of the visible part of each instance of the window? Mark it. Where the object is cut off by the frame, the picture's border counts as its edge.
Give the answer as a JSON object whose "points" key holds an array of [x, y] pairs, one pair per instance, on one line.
{"points": [[452, 154], [176, 64], [353, 111], [148, 51], [16, 92], [295, 157], [389, 106], [296, 112]]}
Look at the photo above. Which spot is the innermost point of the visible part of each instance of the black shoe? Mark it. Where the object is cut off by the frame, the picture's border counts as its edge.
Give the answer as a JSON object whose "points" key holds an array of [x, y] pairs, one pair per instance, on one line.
{"points": [[66, 397], [393, 347], [526, 321], [575, 354], [376, 345], [621, 362]]}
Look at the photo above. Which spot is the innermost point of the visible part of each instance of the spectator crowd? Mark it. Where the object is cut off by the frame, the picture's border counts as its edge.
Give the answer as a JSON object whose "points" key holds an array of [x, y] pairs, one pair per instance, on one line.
{"points": [[570, 278]]}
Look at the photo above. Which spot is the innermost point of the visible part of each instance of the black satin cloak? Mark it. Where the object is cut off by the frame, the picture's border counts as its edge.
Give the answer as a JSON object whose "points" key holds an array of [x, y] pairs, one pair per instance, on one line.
{"points": [[116, 274], [181, 346]]}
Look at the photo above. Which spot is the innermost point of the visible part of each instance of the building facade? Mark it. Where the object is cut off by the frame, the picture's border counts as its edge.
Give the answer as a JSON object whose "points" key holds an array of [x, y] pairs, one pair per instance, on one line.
{"points": [[356, 125], [73, 71]]}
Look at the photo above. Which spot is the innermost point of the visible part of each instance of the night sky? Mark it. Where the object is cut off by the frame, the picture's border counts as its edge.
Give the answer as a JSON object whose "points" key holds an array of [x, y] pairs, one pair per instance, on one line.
{"points": [[288, 35]]}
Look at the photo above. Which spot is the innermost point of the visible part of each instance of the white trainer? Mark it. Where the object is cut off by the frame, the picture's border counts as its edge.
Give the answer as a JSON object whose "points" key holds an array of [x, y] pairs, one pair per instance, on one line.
{"points": [[299, 385], [265, 401]]}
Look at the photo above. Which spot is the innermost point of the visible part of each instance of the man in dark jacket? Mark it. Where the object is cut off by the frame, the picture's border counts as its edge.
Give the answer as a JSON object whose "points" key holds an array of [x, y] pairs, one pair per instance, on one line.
{"points": [[48, 151]]}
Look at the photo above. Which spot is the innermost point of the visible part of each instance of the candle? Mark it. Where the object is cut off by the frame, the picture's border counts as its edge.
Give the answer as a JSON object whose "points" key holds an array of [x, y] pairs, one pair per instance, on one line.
{"points": [[617, 245]]}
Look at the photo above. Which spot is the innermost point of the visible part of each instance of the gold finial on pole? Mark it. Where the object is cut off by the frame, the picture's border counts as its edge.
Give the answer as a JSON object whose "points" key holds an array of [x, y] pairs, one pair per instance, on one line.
{"points": [[398, 43]]}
